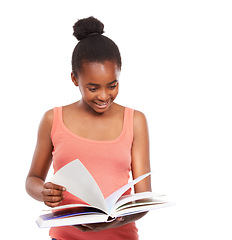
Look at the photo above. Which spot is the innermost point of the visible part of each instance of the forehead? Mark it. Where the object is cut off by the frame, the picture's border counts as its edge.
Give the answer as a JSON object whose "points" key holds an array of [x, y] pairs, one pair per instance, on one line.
{"points": [[99, 71]]}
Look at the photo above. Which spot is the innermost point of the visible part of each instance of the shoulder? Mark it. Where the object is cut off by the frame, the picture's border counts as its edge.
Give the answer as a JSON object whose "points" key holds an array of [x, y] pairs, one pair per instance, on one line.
{"points": [[46, 122], [48, 116], [139, 123], [139, 118]]}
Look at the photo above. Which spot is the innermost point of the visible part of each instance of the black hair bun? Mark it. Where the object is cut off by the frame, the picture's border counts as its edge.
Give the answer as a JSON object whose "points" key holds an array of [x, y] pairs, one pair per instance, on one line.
{"points": [[86, 27]]}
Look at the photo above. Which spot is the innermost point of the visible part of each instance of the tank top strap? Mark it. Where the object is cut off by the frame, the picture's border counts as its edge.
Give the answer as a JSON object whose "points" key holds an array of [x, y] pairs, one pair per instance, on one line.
{"points": [[57, 117], [129, 122]]}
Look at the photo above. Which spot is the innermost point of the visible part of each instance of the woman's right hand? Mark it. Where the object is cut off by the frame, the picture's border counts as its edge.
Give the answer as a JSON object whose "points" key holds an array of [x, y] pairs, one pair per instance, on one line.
{"points": [[52, 194]]}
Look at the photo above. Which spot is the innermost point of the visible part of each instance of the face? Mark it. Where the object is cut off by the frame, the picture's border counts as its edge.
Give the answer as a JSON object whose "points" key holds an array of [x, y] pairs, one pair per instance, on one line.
{"points": [[98, 84]]}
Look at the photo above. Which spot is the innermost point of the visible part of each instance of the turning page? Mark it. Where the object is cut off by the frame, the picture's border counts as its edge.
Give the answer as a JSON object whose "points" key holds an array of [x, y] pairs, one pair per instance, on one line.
{"points": [[113, 198], [79, 182]]}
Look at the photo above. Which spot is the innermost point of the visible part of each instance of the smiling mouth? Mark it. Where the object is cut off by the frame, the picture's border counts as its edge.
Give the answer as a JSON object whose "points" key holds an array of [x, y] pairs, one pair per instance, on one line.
{"points": [[102, 104]]}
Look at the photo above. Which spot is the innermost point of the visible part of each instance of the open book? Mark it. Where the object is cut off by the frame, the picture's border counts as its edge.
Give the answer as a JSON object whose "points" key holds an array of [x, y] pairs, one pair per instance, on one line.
{"points": [[79, 182]]}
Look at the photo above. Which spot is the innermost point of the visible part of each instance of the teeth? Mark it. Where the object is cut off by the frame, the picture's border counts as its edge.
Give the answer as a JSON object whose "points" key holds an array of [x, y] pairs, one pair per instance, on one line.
{"points": [[101, 104]]}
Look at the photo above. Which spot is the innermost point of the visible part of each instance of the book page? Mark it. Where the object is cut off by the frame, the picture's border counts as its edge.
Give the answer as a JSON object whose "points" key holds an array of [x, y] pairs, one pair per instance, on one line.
{"points": [[62, 207], [132, 197], [148, 201], [79, 182], [113, 198], [137, 208]]}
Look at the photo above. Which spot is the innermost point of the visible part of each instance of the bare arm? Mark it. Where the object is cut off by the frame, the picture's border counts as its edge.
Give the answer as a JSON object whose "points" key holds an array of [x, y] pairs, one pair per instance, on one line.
{"points": [[140, 159], [140, 152], [49, 193]]}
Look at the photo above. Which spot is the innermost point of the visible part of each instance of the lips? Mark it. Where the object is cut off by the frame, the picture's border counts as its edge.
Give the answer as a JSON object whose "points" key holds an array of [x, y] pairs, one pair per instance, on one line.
{"points": [[102, 104]]}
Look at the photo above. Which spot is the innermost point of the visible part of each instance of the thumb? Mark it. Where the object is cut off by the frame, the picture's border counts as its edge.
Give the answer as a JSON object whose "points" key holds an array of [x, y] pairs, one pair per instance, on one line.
{"points": [[121, 219]]}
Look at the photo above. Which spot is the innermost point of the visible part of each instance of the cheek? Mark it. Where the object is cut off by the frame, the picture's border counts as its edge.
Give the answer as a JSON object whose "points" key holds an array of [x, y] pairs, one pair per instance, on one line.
{"points": [[86, 94], [115, 95], [116, 91]]}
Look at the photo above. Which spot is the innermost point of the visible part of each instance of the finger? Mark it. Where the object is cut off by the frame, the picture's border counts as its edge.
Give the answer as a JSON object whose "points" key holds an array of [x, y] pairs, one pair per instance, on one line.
{"points": [[88, 226], [83, 228], [120, 219], [50, 204], [95, 227], [53, 199], [52, 192], [50, 185]]}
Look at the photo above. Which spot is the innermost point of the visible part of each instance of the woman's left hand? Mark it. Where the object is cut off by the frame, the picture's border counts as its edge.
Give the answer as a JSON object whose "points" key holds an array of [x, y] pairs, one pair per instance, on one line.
{"points": [[120, 221], [95, 227]]}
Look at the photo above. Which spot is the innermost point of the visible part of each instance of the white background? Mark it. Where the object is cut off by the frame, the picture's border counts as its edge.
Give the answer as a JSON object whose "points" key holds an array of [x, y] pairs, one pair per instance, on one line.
{"points": [[177, 58]]}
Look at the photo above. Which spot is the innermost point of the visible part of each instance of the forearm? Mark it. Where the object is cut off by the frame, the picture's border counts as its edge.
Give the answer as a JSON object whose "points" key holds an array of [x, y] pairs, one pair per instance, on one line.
{"points": [[34, 187]]}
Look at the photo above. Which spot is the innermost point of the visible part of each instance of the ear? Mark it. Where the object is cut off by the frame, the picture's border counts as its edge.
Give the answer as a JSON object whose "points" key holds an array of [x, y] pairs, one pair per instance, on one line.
{"points": [[74, 79]]}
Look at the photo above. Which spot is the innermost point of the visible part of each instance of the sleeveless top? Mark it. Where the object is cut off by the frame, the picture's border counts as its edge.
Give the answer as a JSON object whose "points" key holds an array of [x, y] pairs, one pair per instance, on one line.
{"points": [[109, 162]]}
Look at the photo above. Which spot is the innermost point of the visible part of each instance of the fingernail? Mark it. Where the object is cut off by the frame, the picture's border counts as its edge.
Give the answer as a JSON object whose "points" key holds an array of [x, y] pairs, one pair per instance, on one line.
{"points": [[64, 189]]}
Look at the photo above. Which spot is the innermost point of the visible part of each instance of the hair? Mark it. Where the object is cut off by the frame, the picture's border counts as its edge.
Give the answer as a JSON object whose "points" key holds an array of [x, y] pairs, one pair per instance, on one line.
{"points": [[92, 45]]}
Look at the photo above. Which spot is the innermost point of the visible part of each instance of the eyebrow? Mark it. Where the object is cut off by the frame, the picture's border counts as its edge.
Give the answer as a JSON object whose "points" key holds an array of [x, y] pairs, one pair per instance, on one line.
{"points": [[94, 84]]}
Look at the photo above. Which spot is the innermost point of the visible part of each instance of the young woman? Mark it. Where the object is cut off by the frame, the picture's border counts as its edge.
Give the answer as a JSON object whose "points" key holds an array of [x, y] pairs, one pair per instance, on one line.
{"points": [[109, 139]]}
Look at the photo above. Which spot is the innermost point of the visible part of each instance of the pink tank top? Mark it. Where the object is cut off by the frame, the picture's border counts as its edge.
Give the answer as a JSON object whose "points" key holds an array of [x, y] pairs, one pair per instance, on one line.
{"points": [[109, 162]]}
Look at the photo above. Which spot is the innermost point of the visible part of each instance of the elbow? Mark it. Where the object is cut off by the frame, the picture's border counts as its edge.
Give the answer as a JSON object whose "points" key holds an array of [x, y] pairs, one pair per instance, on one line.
{"points": [[34, 187], [28, 185]]}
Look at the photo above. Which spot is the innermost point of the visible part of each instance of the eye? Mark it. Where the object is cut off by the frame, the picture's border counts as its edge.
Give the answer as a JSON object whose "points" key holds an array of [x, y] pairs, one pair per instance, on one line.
{"points": [[92, 89], [113, 86]]}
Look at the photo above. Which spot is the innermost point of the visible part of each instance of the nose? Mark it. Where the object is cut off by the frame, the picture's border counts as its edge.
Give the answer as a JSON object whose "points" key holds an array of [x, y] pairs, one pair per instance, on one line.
{"points": [[103, 95]]}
